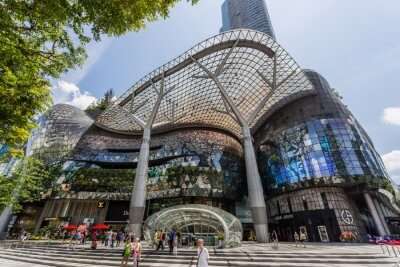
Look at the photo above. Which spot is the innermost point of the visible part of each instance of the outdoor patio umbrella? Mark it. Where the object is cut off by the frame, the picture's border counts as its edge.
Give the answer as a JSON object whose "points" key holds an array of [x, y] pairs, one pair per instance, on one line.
{"points": [[70, 227], [100, 227]]}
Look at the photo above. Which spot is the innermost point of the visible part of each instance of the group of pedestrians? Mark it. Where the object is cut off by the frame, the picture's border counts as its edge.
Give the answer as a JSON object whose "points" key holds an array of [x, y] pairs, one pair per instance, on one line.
{"points": [[299, 237], [172, 238], [114, 239], [132, 248], [302, 238], [76, 237]]}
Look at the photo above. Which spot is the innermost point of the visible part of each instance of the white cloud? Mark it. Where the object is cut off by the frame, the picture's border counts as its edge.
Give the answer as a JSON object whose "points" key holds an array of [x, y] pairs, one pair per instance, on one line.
{"points": [[391, 115], [392, 163], [70, 93]]}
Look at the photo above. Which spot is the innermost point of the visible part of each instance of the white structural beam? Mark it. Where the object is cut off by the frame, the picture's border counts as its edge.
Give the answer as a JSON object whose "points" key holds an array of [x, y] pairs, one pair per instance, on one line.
{"points": [[138, 197], [274, 86], [381, 216], [374, 213], [5, 218], [255, 189]]}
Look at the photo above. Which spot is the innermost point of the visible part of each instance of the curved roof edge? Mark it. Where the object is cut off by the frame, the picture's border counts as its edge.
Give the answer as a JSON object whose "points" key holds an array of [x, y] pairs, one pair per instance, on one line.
{"points": [[255, 70]]}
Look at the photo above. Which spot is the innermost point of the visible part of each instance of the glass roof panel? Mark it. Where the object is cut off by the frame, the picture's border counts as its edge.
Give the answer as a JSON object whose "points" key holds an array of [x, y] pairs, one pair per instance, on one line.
{"points": [[195, 100]]}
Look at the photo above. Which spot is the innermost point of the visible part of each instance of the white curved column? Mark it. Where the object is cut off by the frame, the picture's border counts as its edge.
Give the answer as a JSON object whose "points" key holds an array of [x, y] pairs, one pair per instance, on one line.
{"points": [[374, 213], [381, 216], [255, 189], [138, 198], [5, 218]]}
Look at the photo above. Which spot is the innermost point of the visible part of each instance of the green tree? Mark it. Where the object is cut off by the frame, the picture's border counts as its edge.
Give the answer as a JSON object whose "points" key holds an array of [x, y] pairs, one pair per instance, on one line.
{"points": [[97, 107], [31, 180], [41, 39]]}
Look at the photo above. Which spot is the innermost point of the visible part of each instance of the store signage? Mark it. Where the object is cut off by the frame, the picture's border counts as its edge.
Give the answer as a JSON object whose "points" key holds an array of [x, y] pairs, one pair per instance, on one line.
{"points": [[118, 211], [347, 217], [101, 204]]}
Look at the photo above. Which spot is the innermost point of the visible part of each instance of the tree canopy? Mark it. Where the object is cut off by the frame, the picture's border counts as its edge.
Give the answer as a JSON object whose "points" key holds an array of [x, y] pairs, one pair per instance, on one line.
{"points": [[30, 181], [97, 107], [42, 39]]}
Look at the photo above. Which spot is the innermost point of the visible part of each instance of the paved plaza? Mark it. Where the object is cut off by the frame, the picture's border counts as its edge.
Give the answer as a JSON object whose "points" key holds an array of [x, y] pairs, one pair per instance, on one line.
{"points": [[249, 254]]}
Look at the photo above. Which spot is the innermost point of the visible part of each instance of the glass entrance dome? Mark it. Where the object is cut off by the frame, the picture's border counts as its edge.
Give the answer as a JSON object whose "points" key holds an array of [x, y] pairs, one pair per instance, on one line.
{"points": [[199, 221]]}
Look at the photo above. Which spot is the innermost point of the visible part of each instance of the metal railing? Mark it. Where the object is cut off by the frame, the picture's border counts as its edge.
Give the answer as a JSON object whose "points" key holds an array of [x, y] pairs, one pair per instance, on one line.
{"points": [[391, 251]]}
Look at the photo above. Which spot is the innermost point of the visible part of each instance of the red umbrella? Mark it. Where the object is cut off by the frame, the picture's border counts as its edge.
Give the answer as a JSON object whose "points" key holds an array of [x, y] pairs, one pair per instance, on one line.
{"points": [[100, 227], [70, 227]]}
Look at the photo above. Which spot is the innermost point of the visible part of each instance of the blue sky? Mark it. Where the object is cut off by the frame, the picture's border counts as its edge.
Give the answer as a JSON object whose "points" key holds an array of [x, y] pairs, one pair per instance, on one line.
{"points": [[354, 44]]}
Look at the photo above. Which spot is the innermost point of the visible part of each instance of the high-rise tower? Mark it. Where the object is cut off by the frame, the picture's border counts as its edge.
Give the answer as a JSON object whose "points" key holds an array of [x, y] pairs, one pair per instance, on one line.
{"points": [[251, 14]]}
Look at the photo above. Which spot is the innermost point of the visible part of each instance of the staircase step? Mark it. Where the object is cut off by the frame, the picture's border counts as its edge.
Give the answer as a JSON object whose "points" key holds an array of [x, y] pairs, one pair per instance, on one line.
{"points": [[248, 255], [219, 254], [111, 261], [243, 264]]}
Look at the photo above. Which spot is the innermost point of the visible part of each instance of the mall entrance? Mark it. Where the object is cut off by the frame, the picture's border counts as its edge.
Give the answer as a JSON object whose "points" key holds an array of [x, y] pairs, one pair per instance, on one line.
{"points": [[319, 226], [193, 222]]}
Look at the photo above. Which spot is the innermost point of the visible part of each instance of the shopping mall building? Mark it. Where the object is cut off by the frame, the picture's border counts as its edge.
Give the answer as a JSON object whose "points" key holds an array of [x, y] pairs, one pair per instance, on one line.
{"points": [[231, 136]]}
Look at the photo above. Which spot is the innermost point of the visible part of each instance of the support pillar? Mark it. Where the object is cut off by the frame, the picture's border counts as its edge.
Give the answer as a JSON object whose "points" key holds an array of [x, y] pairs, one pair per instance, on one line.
{"points": [[382, 217], [5, 219], [138, 198], [66, 208], [255, 189], [374, 213], [42, 216]]}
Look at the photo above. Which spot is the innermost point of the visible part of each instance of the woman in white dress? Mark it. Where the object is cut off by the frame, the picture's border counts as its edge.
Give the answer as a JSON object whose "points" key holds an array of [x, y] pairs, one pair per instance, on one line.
{"points": [[202, 254]]}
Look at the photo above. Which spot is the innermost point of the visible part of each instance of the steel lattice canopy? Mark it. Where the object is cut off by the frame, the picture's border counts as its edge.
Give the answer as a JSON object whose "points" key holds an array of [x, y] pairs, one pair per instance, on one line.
{"points": [[249, 65]]}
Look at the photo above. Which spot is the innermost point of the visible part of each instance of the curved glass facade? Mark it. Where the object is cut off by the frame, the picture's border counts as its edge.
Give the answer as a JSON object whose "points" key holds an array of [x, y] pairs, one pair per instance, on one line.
{"points": [[318, 148], [58, 132], [316, 140]]}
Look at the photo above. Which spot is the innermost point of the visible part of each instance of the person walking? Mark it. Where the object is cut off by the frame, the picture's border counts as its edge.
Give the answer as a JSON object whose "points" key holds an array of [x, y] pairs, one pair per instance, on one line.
{"points": [[179, 238], [72, 240], [108, 238], [84, 236], [161, 241], [175, 244], [190, 240], [156, 239], [171, 238], [136, 252], [274, 237], [296, 238], [94, 240], [202, 254], [126, 254], [78, 237], [303, 237], [164, 237], [113, 239], [119, 237]]}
